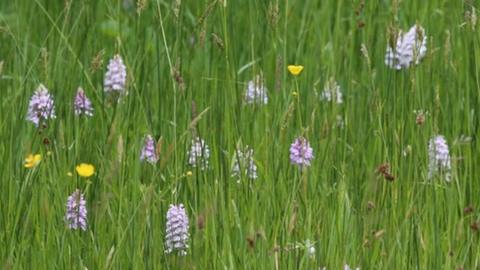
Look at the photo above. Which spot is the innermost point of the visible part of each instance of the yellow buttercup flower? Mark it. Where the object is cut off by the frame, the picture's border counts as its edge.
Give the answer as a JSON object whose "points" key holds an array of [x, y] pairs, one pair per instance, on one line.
{"points": [[295, 70], [85, 170], [189, 173], [32, 160]]}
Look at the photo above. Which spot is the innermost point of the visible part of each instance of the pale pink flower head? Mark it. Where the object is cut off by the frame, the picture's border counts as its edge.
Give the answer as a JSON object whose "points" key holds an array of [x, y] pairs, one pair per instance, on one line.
{"points": [[177, 235], [116, 76], [148, 151], [76, 214], [301, 153], [41, 107], [256, 92], [410, 48], [82, 104], [439, 158], [199, 154]]}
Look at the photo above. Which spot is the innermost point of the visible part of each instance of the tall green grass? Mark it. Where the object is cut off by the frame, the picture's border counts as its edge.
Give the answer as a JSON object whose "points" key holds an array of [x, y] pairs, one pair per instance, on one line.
{"points": [[340, 203]]}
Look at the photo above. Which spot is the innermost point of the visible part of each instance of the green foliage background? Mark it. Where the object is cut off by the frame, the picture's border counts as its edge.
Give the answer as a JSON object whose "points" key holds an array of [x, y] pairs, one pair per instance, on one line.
{"points": [[351, 214]]}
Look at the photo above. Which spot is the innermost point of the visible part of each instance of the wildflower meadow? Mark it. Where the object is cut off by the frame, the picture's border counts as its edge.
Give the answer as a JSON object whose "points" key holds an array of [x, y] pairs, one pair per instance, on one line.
{"points": [[239, 134]]}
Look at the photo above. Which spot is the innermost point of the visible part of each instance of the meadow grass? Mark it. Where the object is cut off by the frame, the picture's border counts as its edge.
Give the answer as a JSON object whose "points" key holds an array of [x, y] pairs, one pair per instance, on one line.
{"points": [[188, 64]]}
